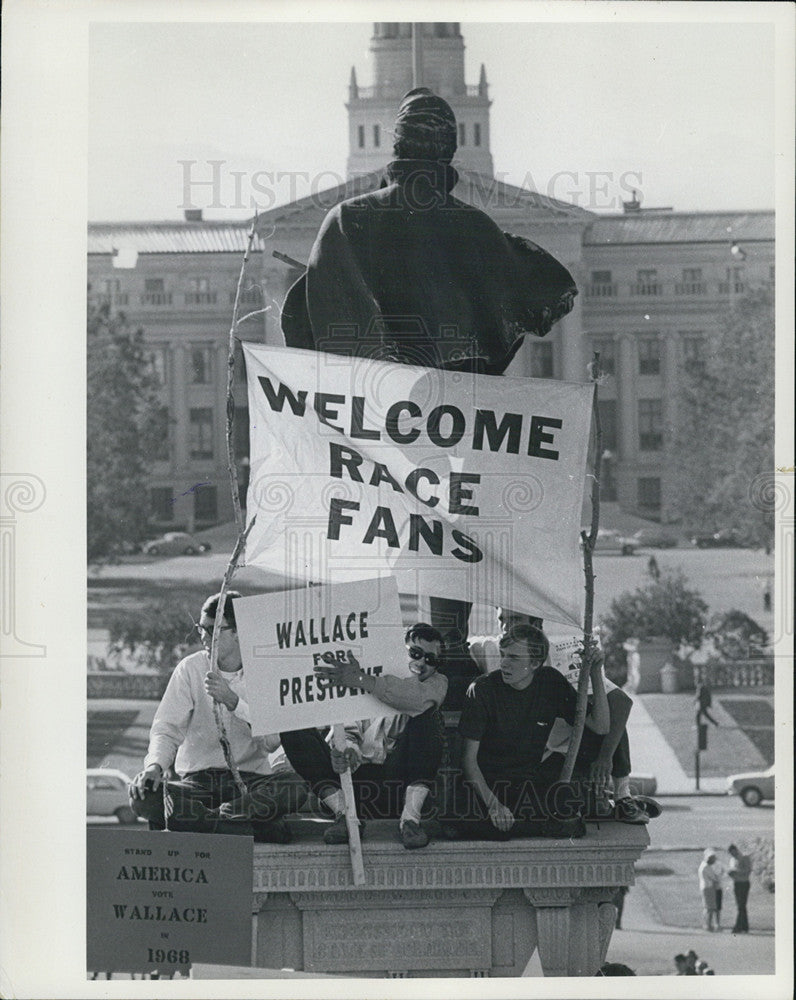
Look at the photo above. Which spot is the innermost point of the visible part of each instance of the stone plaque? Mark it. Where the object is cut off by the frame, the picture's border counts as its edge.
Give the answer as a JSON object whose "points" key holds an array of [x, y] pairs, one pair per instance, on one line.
{"points": [[412, 939]]}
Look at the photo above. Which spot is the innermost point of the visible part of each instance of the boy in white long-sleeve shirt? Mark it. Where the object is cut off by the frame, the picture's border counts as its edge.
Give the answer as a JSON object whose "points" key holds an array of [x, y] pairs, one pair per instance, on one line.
{"points": [[206, 799], [394, 760]]}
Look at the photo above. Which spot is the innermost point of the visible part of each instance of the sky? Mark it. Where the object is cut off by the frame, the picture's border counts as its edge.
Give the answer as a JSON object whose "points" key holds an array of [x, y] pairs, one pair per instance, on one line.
{"points": [[682, 112]]}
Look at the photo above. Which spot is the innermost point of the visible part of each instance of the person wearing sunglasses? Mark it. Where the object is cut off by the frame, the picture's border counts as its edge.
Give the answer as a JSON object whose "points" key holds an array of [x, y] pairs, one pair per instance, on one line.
{"points": [[394, 760], [205, 797]]}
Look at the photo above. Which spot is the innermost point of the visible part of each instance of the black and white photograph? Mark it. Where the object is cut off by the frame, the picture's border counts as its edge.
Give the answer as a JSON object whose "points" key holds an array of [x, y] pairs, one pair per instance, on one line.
{"points": [[398, 499]]}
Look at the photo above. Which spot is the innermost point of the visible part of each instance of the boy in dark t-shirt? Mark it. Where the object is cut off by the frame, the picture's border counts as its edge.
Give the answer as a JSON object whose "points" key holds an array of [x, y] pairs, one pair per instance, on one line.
{"points": [[505, 724]]}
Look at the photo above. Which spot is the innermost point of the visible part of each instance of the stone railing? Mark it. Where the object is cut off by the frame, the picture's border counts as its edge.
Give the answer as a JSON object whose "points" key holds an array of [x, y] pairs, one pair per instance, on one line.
{"points": [[118, 684], [455, 908], [733, 674]]}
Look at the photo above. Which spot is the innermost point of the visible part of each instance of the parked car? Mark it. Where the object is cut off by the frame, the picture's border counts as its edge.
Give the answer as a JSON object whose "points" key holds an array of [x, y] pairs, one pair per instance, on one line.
{"points": [[726, 538], [753, 786], [175, 543], [655, 538], [106, 794], [609, 540]]}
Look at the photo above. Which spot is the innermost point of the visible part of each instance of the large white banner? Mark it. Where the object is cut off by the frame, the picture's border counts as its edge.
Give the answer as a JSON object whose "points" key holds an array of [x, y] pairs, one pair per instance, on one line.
{"points": [[462, 486], [283, 637]]}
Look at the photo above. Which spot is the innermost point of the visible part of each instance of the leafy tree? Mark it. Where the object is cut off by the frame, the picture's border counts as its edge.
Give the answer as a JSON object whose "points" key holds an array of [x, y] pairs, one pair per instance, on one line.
{"points": [[121, 429], [724, 457], [663, 606]]}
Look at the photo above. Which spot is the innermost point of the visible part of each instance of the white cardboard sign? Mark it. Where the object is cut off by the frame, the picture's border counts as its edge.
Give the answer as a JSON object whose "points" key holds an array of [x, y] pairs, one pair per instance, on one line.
{"points": [[283, 637]]}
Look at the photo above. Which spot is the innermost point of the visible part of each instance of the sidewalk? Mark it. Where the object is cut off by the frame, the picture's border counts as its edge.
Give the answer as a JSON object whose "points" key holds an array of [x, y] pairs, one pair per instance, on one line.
{"points": [[648, 946]]}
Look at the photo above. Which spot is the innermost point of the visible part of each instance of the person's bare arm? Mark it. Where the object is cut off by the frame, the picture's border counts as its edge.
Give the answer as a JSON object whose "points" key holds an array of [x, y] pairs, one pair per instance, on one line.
{"points": [[598, 718], [619, 705], [500, 816]]}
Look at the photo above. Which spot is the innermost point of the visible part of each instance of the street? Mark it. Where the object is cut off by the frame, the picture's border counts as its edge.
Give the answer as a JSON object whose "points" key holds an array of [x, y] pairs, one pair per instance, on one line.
{"points": [[709, 821]]}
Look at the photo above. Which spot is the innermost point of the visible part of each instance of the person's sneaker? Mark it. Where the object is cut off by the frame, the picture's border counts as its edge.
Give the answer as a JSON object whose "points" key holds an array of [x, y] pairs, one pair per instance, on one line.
{"points": [[627, 811], [337, 833], [652, 808], [413, 835], [563, 829], [274, 832]]}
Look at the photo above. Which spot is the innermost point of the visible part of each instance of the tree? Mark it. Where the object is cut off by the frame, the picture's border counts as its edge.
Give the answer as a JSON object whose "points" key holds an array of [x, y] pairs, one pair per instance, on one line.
{"points": [[156, 635], [121, 427], [724, 441], [664, 606]]}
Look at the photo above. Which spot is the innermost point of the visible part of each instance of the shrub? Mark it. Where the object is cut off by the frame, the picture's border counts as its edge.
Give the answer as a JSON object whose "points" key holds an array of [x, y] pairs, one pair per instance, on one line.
{"points": [[663, 606], [761, 850], [736, 636]]}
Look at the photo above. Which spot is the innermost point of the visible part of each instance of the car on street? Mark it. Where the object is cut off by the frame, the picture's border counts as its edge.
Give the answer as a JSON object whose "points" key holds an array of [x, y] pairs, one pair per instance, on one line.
{"points": [[655, 538], [106, 794], [726, 538], [175, 543], [752, 786], [609, 540]]}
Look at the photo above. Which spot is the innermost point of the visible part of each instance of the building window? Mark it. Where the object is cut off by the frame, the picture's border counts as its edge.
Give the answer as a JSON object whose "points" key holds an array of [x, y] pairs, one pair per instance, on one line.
{"points": [[376, 136], [361, 136], [601, 285], [199, 292], [541, 360], [200, 435], [649, 493], [606, 348], [693, 349], [205, 504], [202, 365], [646, 282], [159, 365], [650, 424], [691, 283], [155, 293], [161, 507], [649, 356], [735, 284], [462, 134], [607, 408], [160, 434], [477, 134]]}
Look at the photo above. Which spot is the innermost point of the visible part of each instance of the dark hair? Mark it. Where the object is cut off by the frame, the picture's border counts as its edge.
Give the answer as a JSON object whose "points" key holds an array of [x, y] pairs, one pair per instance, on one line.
{"points": [[421, 630], [615, 969], [533, 637], [210, 607], [680, 957]]}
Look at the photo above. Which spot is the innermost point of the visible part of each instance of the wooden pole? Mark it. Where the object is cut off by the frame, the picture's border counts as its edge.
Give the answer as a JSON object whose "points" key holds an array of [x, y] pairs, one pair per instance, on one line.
{"points": [[351, 819], [589, 541]]}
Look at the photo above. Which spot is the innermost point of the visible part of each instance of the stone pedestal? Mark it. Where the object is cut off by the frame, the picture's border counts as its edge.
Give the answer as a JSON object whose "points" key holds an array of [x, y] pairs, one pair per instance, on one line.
{"points": [[454, 908]]}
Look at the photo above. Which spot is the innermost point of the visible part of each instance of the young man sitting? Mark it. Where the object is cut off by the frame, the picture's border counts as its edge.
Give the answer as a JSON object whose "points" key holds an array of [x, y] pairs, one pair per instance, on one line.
{"points": [[506, 721], [394, 760], [206, 798], [600, 758]]}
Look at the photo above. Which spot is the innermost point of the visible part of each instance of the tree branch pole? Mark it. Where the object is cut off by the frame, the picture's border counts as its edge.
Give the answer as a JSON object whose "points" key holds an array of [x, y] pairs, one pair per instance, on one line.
{"points": [[231, 469], [221, 728], [589, 541]]}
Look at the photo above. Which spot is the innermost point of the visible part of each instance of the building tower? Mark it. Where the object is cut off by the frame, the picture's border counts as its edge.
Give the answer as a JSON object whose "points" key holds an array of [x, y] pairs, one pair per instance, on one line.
{"points": [[371, 110]]}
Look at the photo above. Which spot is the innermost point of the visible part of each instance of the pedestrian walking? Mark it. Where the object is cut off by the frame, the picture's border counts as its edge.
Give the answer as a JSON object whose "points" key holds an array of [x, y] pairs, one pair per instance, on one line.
{"points": [[653, 568], [740, 870], [709, 882]]}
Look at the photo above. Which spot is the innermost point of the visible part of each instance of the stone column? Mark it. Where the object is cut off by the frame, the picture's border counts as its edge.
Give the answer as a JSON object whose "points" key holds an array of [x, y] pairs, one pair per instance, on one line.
{"points": [[626, 430], [179, 402], [670, 380], [573, 362]]}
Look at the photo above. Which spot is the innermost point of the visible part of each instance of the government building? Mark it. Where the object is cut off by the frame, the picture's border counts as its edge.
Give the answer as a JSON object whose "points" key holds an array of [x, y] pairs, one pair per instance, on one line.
{"points": [[655, 287]]}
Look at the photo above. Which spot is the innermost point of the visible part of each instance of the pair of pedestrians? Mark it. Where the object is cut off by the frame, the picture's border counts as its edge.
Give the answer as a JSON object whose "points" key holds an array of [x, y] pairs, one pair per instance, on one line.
{"points": [[711, 876]]}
